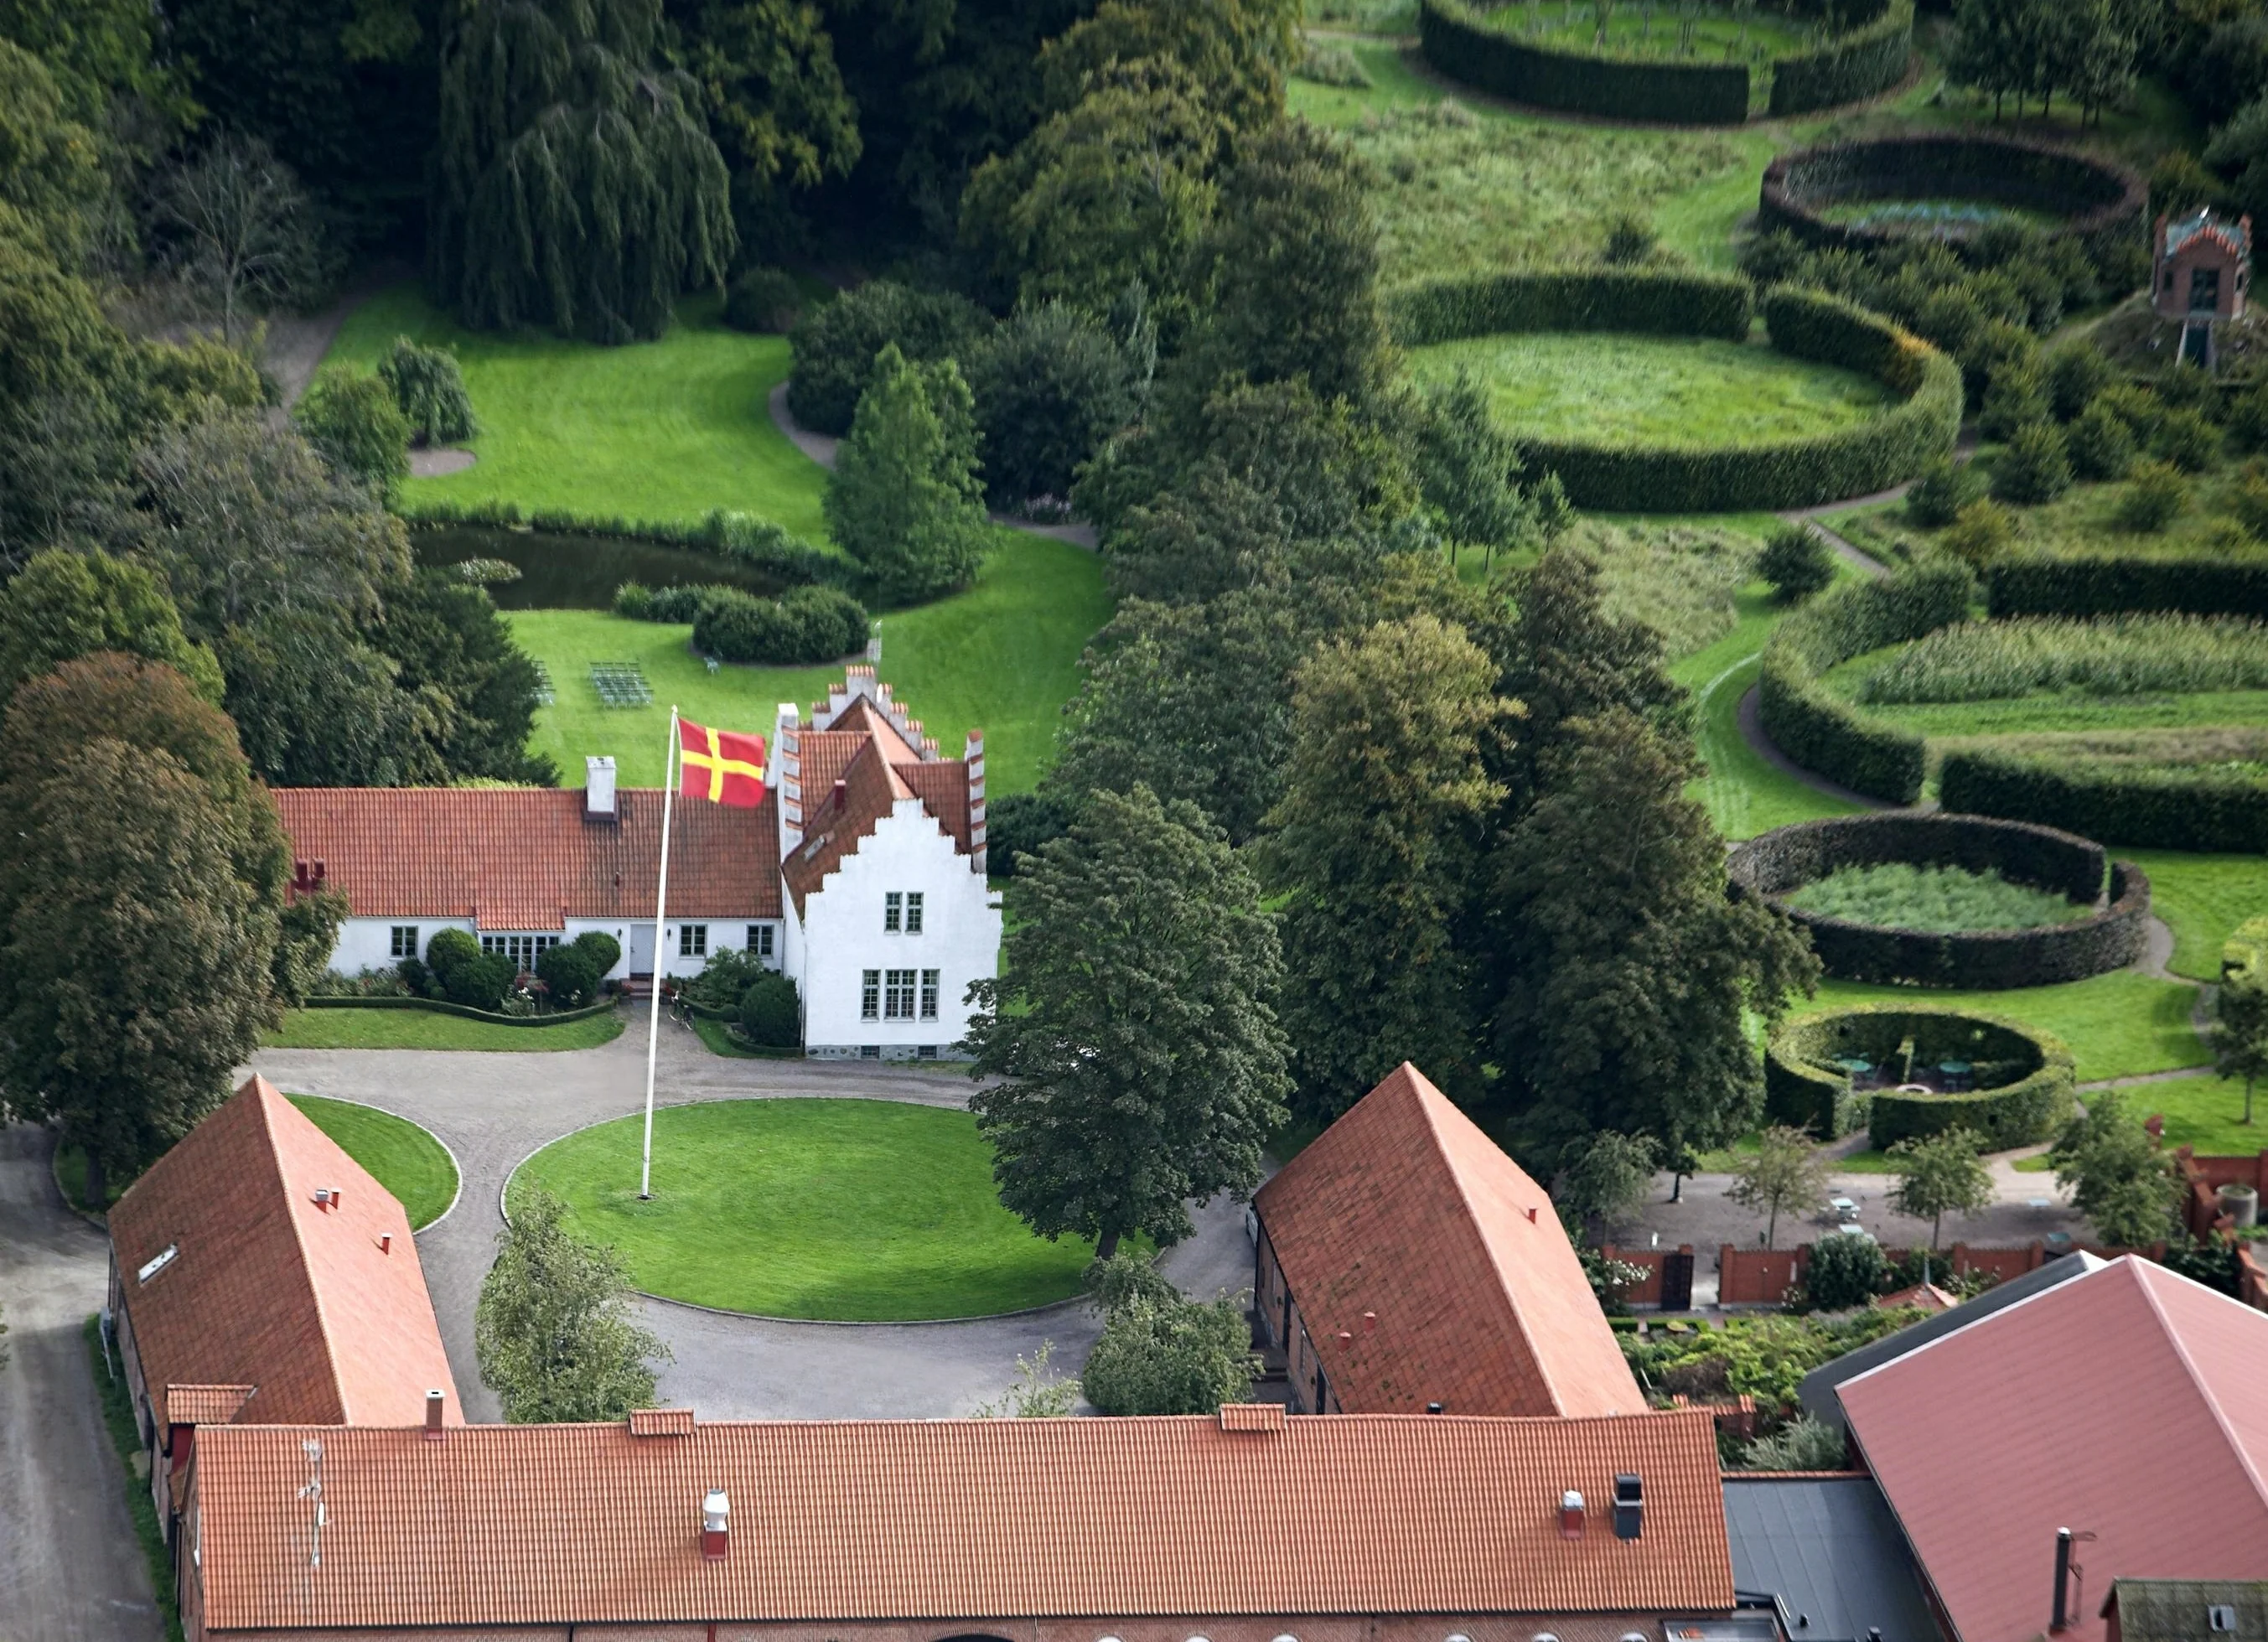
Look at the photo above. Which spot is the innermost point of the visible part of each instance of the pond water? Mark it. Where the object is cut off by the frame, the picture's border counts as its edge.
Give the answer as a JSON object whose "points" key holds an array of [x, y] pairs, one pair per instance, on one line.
{"points": [[567, 572]]}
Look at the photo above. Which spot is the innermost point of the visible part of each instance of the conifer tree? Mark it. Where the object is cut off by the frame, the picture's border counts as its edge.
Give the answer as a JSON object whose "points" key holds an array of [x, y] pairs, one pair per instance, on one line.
{"points": [[576, 186], [905, 500]]}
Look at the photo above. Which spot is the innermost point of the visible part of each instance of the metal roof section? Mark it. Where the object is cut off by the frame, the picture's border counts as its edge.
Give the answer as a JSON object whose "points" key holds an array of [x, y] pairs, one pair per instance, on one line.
{"points": [[1830, 1553]]}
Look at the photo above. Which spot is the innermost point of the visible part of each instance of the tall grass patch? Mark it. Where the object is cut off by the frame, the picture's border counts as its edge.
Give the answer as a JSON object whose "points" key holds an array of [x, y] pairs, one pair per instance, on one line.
{"points": [[1946, 900], [1682, 581], [2126, 655]]}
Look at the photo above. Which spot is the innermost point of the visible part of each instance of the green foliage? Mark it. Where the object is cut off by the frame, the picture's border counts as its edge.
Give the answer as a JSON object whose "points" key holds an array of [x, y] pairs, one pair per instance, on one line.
{"points": [[773, 91], [1803, 1444], [589, 195], [1170, 1356], [1020, 824], [2023, 1075], [2076, 371], [904, 499], [2204, 807], [1763, 1357], [1606, 1178], [1844, 1272], [553, 1331], [2115, 655], [2102, 444], [2102, 584], [1468, 466], [307, 933], [1846, 68], [1484, 49], [728, 973], [461, 973], [802, 627], [1980, 534], [318, 706], [1332, 65], [1037, 1392], [765, 300], [430, 391], [834, 344], [1235, 52], [51, 175], [1050, 386], [455, 654], [357, 425], [1950, 899], [1784, 1172], [63, 605], [1940, 1174], [771, 1015], [1653, 301], [2240, 1030], [1798, 563], [244, 233], [1142, 1062], [2117, 1175], [2156, 495], [2187, 438], [1943, 488], [571, 974], [2035, 468], [2017, 397]]}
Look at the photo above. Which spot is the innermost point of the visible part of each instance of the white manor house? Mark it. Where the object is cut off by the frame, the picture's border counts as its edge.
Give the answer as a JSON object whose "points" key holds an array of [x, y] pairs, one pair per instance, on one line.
{"points": [[861, 875]]}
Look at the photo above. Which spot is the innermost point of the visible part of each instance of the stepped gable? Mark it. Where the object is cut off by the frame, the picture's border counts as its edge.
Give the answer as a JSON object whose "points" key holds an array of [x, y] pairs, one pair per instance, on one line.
{"points": [[527, 858], [272, 1307], [1404, 1210]]}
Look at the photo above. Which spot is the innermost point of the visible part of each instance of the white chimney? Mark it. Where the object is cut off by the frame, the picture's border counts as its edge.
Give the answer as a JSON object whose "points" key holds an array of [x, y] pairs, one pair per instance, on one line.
{"points": [[599, 789], [434, 1400], [715, 1525]]}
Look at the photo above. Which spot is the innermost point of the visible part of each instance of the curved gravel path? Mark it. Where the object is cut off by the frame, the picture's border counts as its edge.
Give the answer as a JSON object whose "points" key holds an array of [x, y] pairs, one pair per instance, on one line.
{"points": [[492, 1110]]}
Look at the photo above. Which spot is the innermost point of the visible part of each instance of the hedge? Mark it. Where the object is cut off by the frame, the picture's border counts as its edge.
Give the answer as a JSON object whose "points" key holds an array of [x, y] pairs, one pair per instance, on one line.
{"points": [[2029, 1074], [2102, 205], [2207, 808], [1462, 42], [1823, 732], [2246, 945], [1665, 301], [2038, 584], [1864, 62], [1772, 865], [740, 537], [441, 1007]]}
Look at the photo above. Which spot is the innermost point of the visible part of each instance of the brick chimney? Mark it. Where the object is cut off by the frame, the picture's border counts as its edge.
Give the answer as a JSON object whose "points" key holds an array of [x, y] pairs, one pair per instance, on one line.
{"points": [[715, 1525], [1571, 1515], [598, 791]]}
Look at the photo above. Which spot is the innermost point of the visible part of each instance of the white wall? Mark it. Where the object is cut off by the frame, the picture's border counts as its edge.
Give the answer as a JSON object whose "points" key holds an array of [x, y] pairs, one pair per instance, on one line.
{"points": [[843, 936], [367, 943]]}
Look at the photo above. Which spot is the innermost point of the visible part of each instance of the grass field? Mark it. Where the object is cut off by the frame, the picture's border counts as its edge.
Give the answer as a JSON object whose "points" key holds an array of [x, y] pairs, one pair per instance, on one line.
{"points": [[665, 430], [1002, 658], [1671, 390], [1646, 31], [849, 1209], [2119, 1024], [2207, 1113], [424, 1029], [1900, 895], [408, 1161], [2202, 899]]}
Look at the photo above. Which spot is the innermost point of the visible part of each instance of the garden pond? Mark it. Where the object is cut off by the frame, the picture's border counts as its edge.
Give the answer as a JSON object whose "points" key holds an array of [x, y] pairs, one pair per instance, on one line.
{"points": [[577, 572]]}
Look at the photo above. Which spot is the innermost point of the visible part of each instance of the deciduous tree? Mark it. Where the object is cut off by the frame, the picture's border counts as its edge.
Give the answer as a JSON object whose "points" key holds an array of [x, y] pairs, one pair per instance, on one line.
{"points": [[64, 605], [356, 424], [1940, 1174], [554, 1331], [245, 230], [1784, 1172], [2118, 1176], [2240, 1031]]}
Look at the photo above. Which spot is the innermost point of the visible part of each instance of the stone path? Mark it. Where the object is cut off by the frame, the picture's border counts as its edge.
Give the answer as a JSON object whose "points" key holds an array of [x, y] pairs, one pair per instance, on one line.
{"points": [[493, 1110]]}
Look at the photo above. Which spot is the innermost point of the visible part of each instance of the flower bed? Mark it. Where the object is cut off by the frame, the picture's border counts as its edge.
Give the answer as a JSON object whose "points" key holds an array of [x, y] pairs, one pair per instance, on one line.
{"points": [[442, 1007], [2022, 1079]]}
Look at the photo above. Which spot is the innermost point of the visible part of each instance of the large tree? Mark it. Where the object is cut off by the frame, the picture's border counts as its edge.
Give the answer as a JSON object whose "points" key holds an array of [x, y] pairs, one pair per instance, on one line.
{"points": [[575, 183], [554, 1330], [1373, 841], [1130, 1027], [63, 605], [773, 92], [1940, 1174], [138, 907], [2118, 1176], [319, 707], [244, 231], [904, 499], [450, 640]]}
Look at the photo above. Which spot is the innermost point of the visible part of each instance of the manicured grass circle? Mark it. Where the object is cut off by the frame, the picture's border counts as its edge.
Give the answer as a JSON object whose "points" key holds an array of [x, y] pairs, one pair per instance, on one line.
{"points": [[843, 1211], [408, 1161]]}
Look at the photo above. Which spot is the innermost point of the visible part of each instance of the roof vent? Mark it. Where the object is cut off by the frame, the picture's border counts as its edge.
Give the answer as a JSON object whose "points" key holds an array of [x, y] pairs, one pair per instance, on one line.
{"points": [[598, 789], [156, 1262], [1571, 1515], [715, 1525], [1434, 1407], [2219, 1617], [1630, 1506]]}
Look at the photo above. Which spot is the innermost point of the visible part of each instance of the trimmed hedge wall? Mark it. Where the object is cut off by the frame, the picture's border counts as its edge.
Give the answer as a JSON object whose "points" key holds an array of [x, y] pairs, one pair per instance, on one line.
{"points": [[1460, 41], [1660, 302], [2204, 808], [442, 1007], [1773, 865], [1818, 729], [1866, 62], [2103, 205], [2030, 1072], [2039, 584]]}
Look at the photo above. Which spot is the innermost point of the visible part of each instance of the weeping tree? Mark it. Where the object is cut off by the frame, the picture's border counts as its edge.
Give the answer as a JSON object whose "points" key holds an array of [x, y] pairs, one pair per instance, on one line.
{"points": [[575, 185]]}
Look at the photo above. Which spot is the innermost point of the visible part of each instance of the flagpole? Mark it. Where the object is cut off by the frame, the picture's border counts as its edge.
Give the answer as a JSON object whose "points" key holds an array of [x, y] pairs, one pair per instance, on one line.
{"points": [[660, 965]]}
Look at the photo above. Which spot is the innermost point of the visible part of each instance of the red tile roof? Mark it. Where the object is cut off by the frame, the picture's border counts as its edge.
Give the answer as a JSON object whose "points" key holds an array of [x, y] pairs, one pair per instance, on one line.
{"points": [[1403, 1208], [524, 858], [266, 1289], [940, 1520], [2126, 1404]]}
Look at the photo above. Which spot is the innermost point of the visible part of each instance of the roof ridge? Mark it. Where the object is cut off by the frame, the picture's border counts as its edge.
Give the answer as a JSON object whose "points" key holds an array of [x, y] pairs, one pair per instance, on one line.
{"points": [[261, 1088], [2205, 1388], [2008, 1310]]}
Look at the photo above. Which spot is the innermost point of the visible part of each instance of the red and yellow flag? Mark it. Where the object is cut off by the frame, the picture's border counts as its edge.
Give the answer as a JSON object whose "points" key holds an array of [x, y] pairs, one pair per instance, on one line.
{"points": [[720, 766]]}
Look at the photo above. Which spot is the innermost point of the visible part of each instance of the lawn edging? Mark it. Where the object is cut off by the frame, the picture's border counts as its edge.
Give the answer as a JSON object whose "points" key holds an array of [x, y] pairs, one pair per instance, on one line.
{"points": [[442, 1007]]}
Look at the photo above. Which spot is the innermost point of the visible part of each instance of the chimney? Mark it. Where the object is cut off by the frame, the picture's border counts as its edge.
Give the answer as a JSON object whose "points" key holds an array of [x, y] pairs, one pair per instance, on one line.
{"points": [[1571, 1515], [1433, 1408], [385, 1242], [598, 791], [973, 751], [1630, 1506], [1531, 1216], [715, 1525], [433, 1402], [338, 1196], [2062, 1609], [842, 791], [1370, 1322]]}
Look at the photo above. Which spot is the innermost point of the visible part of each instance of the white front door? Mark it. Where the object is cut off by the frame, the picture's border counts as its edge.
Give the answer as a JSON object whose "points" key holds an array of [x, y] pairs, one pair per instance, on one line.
{"points": [[641, 949]]}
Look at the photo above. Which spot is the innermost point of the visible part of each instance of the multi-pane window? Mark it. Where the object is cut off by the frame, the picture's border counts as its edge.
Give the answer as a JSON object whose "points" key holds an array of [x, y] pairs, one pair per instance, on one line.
{"points": [[523, 950], [870, 996], [893, 912], [760, 940], [898, 995], [405, 940], [928, 995], [913, 911], [693, 940]]}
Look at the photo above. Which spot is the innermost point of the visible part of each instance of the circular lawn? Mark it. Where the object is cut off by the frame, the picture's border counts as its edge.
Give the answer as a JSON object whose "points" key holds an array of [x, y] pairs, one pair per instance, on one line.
{"points": [[839, 1211], [406, 1160]]}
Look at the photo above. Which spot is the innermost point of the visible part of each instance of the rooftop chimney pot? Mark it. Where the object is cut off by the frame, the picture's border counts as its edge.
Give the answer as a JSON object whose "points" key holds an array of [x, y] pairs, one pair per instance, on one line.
{"points": [[1630, 1506], [1433, 1408], [1571, 1515], [1531, 1216], [385, 1242], [433, 1402], [1370, 1322], [598, 789], [715, 1525]]}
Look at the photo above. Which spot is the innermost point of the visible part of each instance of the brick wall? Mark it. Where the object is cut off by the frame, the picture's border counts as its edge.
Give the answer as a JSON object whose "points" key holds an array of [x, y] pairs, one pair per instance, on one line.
{"points": [[1757, 1276]]}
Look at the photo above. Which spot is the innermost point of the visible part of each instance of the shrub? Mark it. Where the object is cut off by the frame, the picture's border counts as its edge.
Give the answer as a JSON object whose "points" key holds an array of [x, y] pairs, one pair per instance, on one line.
{"points": [[771, 1015], [2208, 808], [430, 391], [727, 974], [2188, 440], [605, 951], [1664, 302], [834, 345], [354, 424], [1803, 1444], [1943, 489], [1797, 561], [765, 299], [1049, 387], [1481, 49], [2156, 497], [1631, 240], [2018, 397], [2076, 373], [1171, 1356], [1332, 65], [802, 627], [2035, 469], [571, 972], [2102, 444], [2249, 503], [1846, 68], [1844, 1272], [466, 974], [1979, 533], [2248, 418], [638, 602]]}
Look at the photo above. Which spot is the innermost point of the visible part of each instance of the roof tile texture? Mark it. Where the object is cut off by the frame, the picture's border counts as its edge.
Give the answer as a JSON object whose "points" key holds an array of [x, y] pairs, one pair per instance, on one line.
{"points": [[2125, 1403], [957, 1518], [271, 1290], [1404, 1208]]}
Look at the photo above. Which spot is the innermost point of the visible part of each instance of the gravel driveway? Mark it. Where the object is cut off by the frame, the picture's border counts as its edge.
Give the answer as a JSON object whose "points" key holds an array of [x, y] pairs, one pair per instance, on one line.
{"points": [[492, 1110]]}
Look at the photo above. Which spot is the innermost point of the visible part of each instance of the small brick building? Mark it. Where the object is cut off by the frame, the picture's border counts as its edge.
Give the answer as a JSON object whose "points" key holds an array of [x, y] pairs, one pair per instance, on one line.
{"points": [[2200, 275]]}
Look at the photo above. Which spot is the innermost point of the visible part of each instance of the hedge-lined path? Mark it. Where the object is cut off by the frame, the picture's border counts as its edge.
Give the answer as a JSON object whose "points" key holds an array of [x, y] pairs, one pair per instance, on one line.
{"points": [[822, 447], [1964, 447], [495, 1109], [1752, 732]]}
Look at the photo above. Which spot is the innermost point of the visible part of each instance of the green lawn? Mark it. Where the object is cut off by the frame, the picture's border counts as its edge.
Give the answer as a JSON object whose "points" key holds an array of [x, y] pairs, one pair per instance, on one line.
{"points": [[862, 1210], [408, 1161], [2207, 1113], [427, 1029], [1676, 390], [2119, 1024], [1002, 658], [2202, 898], [665, 430], [1898, 894]]}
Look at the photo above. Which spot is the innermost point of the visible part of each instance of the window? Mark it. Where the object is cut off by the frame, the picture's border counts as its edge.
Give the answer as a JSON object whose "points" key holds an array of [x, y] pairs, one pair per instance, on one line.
{"points": [[871, 1051], [892, 905], [898, 995], [693, 940], [927, 1051], [913, 911], [523, 950], [2205, 289], [928, 995], [760, 940], [405, 940], [870, 996]]}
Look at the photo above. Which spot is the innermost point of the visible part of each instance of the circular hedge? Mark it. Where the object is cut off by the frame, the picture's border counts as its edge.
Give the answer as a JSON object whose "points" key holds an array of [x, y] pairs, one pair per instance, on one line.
{"points": [[1881, 450], [2101, 205], [1773, 865], [2024, 1077], [1481, 48]]}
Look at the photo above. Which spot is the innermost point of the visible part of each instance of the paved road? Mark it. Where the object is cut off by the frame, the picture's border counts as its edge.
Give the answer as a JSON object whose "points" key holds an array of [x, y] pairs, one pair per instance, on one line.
{"points": [[492, 1110], [70, 1568]]}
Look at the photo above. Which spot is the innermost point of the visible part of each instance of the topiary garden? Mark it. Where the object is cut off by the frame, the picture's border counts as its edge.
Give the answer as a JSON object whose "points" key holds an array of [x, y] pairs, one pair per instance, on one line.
{"points": [[1902, 1071]]}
